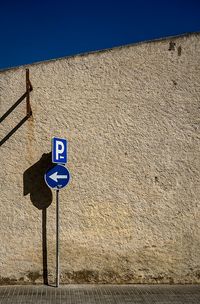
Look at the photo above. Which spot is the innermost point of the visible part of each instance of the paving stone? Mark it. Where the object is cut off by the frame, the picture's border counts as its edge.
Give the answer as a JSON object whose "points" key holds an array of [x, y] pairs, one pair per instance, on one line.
{"points": [[101, 294]]}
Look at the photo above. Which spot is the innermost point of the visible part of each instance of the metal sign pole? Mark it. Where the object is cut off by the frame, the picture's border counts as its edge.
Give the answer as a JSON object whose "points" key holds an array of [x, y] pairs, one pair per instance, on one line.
{"points": [[57, 177], [57, 239]]}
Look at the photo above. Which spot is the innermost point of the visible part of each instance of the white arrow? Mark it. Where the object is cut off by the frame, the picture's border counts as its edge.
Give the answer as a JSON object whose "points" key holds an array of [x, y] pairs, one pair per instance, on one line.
{"points": [[55, 176]]}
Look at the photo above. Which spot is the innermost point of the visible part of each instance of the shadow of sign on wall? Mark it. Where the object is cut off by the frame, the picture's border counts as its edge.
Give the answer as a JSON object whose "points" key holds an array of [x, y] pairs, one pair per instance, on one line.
{"points": [[41, 197]]}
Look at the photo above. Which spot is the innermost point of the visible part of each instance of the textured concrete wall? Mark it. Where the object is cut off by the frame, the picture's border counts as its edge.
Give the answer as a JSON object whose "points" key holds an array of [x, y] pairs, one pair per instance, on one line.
{"points": [[131, 212]]}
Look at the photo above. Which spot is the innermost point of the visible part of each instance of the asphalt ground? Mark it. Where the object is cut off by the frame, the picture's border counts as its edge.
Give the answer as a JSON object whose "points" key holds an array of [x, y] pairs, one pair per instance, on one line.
{"points": [[101, 294]]}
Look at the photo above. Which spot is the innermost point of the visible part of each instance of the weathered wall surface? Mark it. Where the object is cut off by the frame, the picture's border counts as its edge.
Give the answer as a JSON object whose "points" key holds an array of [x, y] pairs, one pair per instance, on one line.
{"points": [[131, 212]]}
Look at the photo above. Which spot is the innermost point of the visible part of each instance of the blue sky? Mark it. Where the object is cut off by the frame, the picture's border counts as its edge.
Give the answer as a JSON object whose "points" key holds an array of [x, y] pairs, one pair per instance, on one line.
{"points": [[33, 31]]}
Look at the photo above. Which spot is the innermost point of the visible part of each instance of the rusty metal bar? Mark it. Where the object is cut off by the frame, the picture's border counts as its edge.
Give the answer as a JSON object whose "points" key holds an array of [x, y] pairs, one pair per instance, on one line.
{"points": [[28, 90]]}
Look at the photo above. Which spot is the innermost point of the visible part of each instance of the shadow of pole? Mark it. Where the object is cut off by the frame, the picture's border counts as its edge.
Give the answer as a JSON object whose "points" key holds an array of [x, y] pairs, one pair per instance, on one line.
{"points": [[26, 95], [13, 130], [13, 107], [44, 246], [41, 198]]}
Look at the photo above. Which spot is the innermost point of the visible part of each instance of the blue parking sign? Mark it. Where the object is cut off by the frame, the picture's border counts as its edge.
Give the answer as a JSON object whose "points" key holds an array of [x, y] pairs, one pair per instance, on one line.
{"points": [[59, 150]]}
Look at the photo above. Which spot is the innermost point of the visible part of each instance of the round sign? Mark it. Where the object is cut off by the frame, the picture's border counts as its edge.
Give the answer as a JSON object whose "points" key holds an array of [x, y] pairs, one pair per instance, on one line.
{"points": [[57, 177]]}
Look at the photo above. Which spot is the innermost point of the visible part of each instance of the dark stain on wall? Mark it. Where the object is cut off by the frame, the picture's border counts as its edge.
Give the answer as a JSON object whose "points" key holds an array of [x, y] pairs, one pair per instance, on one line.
{"points": [[172, 46], [179, 50]]}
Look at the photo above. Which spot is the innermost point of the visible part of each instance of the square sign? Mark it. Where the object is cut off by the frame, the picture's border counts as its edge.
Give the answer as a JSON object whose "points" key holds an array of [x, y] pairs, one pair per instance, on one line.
{"points": [[59, 150]]}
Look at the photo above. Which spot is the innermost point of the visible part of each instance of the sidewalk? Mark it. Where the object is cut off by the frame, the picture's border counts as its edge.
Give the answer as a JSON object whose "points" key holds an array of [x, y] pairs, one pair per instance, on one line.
{"points": [[101, 294]]}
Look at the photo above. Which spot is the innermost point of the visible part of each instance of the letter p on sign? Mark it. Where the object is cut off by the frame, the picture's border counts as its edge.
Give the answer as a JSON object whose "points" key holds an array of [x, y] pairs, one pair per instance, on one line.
{"points": [[59, 150]]}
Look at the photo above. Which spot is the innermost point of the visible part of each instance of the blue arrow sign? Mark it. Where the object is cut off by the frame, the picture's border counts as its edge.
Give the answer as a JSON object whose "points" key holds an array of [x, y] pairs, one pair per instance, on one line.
{"points": [[57, 177]]}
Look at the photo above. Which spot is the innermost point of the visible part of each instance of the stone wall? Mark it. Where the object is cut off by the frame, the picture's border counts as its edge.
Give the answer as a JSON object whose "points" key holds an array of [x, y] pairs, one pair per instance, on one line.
{"points": [[131, 213]]}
